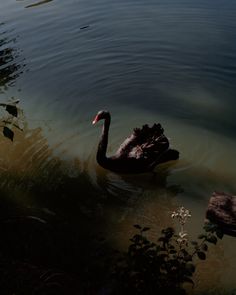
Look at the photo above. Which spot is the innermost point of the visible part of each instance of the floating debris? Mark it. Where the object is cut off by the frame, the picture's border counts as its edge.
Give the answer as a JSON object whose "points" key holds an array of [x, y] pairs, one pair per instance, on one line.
{"points": [[38, 3], [85, 27]]}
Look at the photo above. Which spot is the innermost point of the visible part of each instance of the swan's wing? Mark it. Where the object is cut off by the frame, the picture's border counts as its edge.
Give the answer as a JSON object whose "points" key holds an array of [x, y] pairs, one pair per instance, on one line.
{"points": [[127, 146], [146, 142]]}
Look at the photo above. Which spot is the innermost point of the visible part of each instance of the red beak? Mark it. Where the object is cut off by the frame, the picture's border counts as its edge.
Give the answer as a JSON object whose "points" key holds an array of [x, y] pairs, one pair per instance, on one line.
{"points": [[95, 120]]}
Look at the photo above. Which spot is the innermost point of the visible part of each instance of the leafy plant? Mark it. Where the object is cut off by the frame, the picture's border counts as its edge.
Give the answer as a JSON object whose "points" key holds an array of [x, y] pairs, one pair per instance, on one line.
{"points": [[11, 118], [165, 265]]}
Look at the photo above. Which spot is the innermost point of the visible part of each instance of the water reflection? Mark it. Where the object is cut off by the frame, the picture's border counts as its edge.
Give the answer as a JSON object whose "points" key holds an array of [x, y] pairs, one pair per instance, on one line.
{"points": [[10, 65], [132, 186]]}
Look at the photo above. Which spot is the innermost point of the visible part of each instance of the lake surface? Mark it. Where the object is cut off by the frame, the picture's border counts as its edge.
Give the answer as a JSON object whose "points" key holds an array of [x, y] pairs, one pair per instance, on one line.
{"points": [[164, 61]]}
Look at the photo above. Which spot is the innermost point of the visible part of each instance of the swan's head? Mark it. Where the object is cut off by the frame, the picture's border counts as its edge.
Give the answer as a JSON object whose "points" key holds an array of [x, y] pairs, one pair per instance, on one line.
{"points": [[101, 115]]}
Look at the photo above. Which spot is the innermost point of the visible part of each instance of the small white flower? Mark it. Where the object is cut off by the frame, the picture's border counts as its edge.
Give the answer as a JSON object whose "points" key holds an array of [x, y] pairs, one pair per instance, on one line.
{"points": [[182, 215], [183, 234]]}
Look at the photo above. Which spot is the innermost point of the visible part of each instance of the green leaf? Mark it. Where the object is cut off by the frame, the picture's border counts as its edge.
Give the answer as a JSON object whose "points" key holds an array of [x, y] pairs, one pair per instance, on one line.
{"points": [[210, 227], [202, 236], [162, 255], [183, 252], [163, 239], [211, 239], [137, 238], [171, 247], [132, 248], [7, 132], [188, 258], [172, 251], [201, 255], [204, 247], [219, 233], [188, 280], [145, 228], [190, 267], [11, 109], [147, 242], [168, 232], [151, 252]]}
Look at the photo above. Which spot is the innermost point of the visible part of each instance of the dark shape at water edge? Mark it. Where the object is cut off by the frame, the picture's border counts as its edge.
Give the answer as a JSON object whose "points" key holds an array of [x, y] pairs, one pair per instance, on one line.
{"points": [[141, 152], [12, 109], [7, 132], [13, 113], [222, 211], [10, 65]]}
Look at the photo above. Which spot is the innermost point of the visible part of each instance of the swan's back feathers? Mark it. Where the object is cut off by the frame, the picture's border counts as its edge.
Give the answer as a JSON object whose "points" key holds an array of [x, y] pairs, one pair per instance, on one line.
{"points": [[144, 143]]}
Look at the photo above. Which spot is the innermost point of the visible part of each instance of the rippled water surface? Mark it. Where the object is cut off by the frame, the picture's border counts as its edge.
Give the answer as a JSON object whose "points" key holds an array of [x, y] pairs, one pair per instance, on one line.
{"points": [[163, 61]]}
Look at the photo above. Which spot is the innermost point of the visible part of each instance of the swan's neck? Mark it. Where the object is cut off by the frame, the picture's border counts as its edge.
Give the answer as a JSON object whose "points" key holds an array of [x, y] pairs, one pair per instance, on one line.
{"points": [[102, 146]]}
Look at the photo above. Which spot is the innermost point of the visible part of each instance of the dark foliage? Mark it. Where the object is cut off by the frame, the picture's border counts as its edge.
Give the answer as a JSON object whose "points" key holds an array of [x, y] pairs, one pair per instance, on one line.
{"points": [[11, 109], [9, 124], [7, 132], [36, 258], [162, 267]]}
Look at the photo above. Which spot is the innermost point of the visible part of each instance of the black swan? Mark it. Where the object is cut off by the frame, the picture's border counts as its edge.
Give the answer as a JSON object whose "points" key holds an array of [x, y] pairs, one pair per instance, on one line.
{"points": [[140, 152]]}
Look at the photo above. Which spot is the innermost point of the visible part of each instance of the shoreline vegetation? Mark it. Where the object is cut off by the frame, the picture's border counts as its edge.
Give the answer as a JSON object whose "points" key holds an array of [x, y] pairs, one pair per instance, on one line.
{"points": [[36, 257]]}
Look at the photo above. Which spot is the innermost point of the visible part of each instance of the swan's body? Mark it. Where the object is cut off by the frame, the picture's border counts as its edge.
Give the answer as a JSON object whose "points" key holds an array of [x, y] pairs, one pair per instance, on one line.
{"points": [[140, 152]]}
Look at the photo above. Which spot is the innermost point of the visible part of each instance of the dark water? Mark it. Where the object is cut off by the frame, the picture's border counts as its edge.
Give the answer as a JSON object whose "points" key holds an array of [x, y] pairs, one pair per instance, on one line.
{"points": [[171, 62]]}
